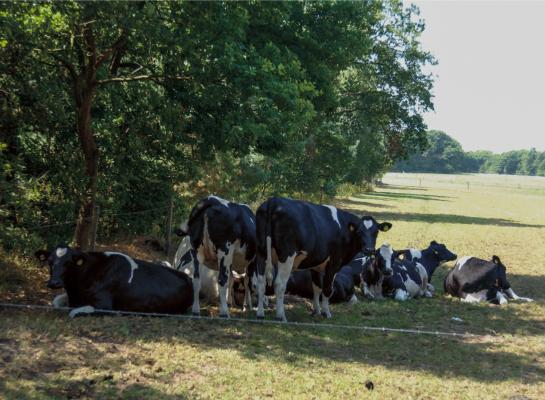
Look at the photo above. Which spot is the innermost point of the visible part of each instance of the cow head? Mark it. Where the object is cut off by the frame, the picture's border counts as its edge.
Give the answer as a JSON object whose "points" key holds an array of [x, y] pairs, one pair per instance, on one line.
{"points": [[368, 231], [441, 252], [383, 258], [60, 260]]}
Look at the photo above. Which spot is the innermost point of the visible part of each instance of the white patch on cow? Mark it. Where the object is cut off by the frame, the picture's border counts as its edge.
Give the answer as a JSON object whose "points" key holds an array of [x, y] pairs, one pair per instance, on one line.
{"points": [[334, 214], [362, 259], [501, 298], [413, 289], [165, 264], [415, 253], [423, 277], [403, 267], [81, 310], [368, 223], [475, 297], [61, 251], [60, 301], [196, 307], [512, 295], [386, 253], [260, 296], [132, 263], [353, 300], [222, 201], [284, 271], [401, 295], [461, 262], [184, 228]]}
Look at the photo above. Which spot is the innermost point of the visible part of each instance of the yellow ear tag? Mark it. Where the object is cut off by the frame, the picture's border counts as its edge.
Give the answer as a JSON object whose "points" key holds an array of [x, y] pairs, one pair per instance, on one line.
{"points": [[351, 228], [79, 262], [386, 228], [401, 256]]}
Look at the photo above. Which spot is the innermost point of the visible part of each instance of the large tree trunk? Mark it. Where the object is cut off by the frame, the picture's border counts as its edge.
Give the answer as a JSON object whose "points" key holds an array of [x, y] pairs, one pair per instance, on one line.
{"points": [[84, 89]]}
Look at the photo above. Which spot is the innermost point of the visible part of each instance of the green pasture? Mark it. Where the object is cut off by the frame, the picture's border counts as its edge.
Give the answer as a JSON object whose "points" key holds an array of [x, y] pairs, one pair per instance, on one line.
{"points": [[46, 355]]}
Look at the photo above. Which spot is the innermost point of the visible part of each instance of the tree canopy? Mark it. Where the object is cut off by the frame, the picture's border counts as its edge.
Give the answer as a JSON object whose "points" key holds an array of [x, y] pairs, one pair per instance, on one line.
{"points": [[445, 155], [124, 104]]}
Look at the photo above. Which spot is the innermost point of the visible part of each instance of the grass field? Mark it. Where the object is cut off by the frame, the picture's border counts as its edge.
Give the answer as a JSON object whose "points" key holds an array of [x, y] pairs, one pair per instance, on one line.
{"points": [[46, 355]]}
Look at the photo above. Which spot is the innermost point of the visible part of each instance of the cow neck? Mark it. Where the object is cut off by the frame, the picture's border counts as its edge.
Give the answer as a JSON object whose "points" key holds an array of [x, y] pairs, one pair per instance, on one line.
{"points": [[430, 261]]}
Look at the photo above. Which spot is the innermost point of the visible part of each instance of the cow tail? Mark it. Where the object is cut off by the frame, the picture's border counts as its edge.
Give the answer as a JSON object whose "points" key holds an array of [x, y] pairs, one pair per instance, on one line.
{"points": [[268, 238]]}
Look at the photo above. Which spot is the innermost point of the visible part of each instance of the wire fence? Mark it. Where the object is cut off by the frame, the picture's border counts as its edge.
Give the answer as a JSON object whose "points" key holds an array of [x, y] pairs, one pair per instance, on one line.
{"points": [[105, 222], [257, 321]]}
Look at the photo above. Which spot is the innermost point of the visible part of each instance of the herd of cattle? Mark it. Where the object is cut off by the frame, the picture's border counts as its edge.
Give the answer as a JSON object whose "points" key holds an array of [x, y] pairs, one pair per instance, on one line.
{"points": [[289, 246]]}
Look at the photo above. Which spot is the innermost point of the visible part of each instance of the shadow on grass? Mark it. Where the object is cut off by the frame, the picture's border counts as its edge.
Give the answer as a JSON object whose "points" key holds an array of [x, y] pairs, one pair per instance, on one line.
{"points": [[399, 187], [397, 196], [443, 218], [98, 338], [360, 203]]}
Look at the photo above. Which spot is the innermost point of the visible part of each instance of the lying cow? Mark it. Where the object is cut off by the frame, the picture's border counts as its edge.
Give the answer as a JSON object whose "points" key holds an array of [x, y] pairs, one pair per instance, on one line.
{"points": [[409, 279], [375, 268], [475, 280], [209, 290], [222, 235], [300, 284], [114, 281], [430, 258], [294, 234]]}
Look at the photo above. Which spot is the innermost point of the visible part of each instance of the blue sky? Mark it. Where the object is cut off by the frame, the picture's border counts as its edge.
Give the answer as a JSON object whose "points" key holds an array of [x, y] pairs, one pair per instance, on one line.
{"points": [[490, 84]]}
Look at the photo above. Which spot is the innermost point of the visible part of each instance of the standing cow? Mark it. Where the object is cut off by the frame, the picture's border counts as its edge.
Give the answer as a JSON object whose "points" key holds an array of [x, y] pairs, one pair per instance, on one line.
{"points": [[294, 234], [222, 235], [114, 281], [474, 280]]}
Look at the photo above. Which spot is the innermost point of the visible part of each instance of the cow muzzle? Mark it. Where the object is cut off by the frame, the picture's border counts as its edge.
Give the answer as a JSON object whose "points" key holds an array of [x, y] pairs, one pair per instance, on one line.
{"points": [[55, 284]]}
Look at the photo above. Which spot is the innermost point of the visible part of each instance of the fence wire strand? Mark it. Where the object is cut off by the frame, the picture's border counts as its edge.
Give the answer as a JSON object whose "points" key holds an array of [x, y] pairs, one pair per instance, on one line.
{"points": [[254, 321]]}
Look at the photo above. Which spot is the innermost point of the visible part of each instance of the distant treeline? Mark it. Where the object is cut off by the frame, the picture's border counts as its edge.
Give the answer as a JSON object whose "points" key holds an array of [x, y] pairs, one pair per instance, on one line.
{"points": [[445, 155]]}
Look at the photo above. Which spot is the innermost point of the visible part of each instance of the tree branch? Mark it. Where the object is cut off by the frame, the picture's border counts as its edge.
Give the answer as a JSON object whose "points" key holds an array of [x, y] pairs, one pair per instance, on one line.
{"points": [[69, 66], [144, 78], [114, 48]]}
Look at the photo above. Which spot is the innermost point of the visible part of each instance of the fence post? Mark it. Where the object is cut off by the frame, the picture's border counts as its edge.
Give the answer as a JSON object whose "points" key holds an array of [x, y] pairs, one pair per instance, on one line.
{"points": [[169, 226], [94, 227]]}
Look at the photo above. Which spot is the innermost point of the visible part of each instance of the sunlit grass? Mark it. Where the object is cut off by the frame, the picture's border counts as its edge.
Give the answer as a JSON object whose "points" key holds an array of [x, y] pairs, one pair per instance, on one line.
{"points": [[46, 355]]}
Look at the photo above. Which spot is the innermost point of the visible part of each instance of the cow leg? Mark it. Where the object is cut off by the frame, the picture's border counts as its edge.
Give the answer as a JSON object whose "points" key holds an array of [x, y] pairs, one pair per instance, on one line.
{"points": [[60, 301], [284, 271], [327, 289], [85, 310], [260, 270], [196, 307], [317, 291], [247, 293], [230, 291], [512, 295], [225, 261]]}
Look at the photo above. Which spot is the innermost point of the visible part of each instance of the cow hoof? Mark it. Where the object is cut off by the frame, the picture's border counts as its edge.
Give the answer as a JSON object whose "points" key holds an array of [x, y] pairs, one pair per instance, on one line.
{"points": [[281, 319], [224, 315], [260, 317], [196, 314], [325, 315]]}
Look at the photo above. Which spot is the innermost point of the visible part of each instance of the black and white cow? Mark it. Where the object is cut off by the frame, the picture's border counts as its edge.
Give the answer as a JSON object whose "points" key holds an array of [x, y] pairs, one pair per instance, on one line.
{"points": [[222, 235], [409, 279], [209, 291], [114, 281], [375, 268], [300, 284], [474, 280], [293, 234], [430, 258]]}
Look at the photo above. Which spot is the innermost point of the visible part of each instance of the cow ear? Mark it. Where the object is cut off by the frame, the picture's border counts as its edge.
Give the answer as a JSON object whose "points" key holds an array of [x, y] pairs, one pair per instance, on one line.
{"points": [[42, 255], [433, 243], [496, 259], [384, 227]]}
